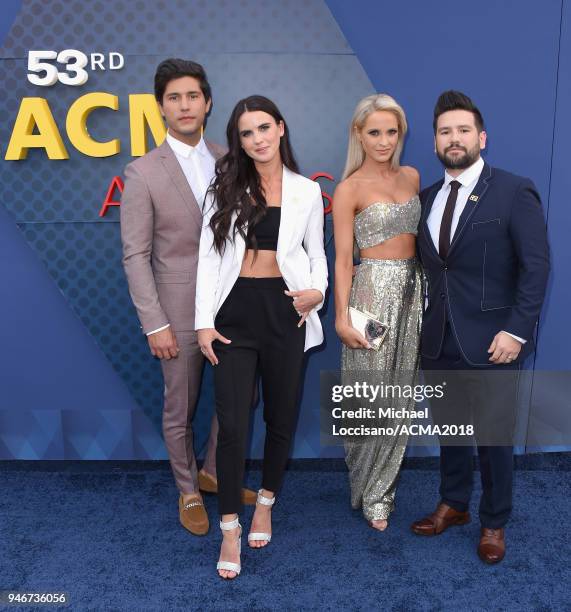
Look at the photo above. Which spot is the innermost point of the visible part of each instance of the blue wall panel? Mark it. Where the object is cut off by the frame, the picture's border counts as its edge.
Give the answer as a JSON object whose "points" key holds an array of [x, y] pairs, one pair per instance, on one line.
{"points": [[502, 54], [550, 414], [299, 58], [505, 55], [60, 397], [555, 338], [79, 382]]}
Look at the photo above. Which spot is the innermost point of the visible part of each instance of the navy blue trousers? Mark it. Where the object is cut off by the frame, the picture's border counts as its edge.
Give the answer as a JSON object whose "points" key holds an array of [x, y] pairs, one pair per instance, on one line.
{"points": [[487, 399]]}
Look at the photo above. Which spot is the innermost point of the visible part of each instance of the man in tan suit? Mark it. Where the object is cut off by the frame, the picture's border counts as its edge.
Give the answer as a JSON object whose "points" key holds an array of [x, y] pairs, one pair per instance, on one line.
{"points": [[161, 222]]}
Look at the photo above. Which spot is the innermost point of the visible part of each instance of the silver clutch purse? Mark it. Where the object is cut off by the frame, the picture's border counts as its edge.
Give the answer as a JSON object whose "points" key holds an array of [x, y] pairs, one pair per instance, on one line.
{"points": [[371, 328]]}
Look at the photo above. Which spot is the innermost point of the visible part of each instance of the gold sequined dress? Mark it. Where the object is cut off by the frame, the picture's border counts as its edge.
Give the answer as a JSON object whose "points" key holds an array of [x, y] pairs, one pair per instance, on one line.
{"points": [[391, 290]]}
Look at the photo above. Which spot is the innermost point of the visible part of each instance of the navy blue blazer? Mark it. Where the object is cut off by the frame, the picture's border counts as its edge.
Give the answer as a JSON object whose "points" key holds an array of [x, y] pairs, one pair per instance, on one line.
{"points": [[495, 274]]}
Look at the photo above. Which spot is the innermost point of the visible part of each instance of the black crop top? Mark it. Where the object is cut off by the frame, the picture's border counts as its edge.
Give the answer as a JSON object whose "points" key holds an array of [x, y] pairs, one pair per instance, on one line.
{"points": [[266, 230]]}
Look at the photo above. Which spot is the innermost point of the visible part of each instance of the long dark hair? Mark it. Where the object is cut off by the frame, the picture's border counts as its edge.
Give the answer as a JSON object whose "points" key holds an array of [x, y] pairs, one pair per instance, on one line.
{"points": [[237, 185]]}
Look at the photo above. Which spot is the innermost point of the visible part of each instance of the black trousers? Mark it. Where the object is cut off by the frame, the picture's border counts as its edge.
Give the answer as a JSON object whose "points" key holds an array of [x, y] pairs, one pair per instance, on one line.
{"points": [[487, 399], [262, 324]]}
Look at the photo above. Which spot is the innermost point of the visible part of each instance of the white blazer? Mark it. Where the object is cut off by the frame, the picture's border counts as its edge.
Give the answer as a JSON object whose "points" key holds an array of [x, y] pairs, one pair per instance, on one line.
{"points": [[300, 254]]}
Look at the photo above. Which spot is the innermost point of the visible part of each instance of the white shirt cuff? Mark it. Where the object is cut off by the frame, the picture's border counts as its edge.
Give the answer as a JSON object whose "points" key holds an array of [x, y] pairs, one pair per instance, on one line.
{"points": [[164, 327], [515, 337]]}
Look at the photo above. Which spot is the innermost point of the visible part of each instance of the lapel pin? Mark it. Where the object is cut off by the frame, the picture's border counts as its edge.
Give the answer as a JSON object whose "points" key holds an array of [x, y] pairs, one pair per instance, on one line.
{"points": [[474, 198]]}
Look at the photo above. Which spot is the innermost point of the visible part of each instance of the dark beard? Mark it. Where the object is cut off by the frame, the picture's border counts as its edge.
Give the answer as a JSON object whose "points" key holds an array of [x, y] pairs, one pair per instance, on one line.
{"points": [[459, 163]]}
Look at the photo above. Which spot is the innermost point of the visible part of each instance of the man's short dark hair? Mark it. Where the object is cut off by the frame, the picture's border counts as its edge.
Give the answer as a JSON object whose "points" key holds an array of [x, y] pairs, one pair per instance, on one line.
{"points": [[174, 68], [455, 100]]}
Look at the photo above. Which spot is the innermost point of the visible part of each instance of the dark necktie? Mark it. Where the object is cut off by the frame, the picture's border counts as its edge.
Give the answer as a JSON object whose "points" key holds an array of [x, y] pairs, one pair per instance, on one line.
{"points": [[446, 225]]}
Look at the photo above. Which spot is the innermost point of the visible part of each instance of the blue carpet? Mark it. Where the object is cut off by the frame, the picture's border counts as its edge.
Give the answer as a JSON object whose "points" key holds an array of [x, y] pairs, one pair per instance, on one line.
{"points": [[110, 537]]}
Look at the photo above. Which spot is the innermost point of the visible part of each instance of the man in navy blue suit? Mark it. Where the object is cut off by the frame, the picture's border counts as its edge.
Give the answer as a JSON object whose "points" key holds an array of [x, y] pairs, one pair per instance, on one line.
{"points": [[483, 245]]}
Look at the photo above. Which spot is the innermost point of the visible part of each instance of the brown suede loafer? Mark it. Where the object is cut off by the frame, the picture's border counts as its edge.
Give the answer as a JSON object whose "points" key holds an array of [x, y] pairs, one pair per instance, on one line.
{"points": [[193, 516], [492, 546], [209, 484], [443, 517]]}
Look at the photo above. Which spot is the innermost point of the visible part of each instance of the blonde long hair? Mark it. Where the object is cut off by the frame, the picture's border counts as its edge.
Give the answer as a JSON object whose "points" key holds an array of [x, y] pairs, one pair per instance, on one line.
{"points": [[368, 105]]}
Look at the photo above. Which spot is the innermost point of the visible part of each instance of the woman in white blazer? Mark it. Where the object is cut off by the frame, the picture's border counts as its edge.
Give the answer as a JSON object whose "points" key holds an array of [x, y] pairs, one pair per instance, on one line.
{"points": [[262, 276]]}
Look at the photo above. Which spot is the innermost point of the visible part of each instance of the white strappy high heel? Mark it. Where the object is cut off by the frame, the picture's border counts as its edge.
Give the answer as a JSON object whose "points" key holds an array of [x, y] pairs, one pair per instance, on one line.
{"points": [[228, 565], [258, 536]]}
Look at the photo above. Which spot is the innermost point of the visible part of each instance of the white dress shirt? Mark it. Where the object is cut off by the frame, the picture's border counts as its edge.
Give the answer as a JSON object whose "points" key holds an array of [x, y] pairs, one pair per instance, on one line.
{"points": [[197, 163], [468, 180]]}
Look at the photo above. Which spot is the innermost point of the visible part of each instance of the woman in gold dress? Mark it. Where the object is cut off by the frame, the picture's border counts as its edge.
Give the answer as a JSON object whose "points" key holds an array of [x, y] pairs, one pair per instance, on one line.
{"points": [[377, 205]]}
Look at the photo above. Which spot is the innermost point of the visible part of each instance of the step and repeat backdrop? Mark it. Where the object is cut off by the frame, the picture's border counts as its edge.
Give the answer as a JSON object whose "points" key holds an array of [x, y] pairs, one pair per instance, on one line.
{"points": [[77, 379]]}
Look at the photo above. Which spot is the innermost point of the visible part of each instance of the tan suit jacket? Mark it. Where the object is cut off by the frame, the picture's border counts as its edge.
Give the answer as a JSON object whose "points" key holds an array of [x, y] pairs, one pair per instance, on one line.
{"points": [[161, 223]]}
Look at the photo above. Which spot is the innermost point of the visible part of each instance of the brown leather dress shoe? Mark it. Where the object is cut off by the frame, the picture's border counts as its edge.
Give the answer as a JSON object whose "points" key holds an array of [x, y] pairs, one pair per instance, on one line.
{"points": [[492, 547], [209, 484], [443, 517], [193, 516]]}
